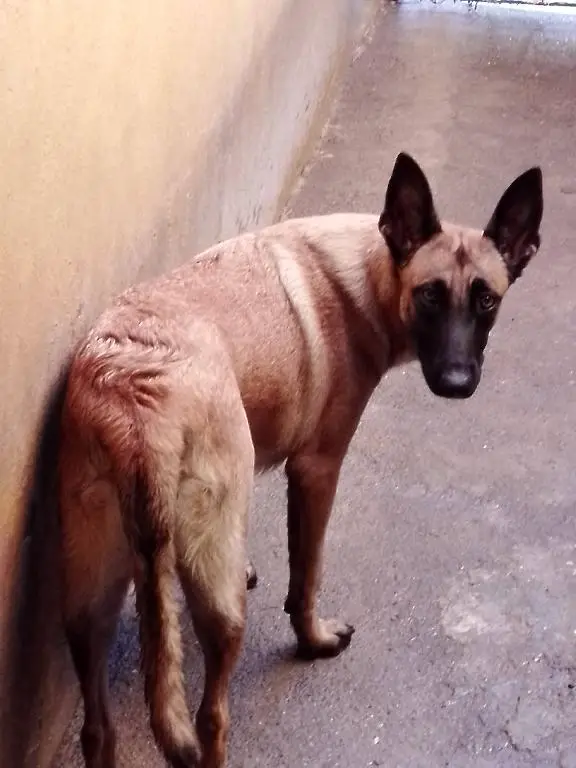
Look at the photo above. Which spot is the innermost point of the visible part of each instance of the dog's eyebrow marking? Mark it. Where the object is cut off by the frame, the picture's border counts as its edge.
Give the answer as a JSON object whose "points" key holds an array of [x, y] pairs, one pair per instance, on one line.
{"points": [[461, 256]]}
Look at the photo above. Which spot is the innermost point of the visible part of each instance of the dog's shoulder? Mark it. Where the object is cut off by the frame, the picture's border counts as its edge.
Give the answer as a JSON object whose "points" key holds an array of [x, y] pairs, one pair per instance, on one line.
{"points": [[339, 244], [353, 233], [331, 261]]}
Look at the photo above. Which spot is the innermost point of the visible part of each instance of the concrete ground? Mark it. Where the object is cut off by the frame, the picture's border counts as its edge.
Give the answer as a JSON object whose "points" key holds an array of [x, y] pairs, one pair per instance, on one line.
{"points": [[453, 544]]}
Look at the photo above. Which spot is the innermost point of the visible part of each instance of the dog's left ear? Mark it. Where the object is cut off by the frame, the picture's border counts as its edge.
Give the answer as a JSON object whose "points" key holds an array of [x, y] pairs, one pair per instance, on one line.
{"points": [[409, 218], [515, 224]]}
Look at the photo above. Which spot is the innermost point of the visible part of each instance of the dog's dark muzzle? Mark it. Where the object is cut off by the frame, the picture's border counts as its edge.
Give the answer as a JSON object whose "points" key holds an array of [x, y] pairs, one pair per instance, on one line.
{"points": [[451, 353]]}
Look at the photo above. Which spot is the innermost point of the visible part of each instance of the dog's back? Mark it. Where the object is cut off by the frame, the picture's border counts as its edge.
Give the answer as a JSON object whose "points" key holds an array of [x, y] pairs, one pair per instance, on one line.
{"points": [[272, 304]]}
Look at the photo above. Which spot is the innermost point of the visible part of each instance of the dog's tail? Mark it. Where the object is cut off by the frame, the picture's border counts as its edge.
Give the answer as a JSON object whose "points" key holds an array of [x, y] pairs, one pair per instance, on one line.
{"points": [[147, 509], [124, 400]]}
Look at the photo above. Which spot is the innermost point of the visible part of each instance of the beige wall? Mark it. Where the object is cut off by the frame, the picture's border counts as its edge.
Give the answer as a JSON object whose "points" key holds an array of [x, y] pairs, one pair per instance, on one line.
{"points": [[132, 134]]}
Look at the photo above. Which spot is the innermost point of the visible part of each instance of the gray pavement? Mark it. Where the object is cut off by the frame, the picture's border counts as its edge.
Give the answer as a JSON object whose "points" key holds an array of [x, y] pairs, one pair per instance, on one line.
{"points": [[453, 543]]}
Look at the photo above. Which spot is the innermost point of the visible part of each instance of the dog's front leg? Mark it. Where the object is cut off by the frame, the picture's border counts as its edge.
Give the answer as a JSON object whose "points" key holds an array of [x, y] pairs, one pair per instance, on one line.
{"points": [[312, 482]]}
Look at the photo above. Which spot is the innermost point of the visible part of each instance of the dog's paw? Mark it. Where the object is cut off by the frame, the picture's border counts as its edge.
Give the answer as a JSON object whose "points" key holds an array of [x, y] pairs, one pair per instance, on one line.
{"points": [[251, 576], [330, 637]]}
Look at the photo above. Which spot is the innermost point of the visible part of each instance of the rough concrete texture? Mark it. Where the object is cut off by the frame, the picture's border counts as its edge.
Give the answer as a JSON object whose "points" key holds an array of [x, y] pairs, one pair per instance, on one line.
{"points": [[453, 543]]}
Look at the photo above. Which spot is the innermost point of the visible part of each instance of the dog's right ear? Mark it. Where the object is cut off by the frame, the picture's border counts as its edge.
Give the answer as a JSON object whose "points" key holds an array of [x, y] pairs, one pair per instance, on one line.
{"points": [[409, 218]]}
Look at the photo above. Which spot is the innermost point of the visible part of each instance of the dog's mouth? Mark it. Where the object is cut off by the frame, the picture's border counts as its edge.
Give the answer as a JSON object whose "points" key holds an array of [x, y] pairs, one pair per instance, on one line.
{"points": [[455, 381]]}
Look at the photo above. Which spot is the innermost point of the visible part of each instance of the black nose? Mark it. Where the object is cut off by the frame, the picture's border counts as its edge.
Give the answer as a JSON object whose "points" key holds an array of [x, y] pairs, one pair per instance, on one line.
{"points": [[457, 381]]}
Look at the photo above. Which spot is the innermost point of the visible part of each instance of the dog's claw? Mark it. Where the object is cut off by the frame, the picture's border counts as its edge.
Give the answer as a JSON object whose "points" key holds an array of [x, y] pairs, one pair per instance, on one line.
{"points": [[251, 577], [334, 637]]}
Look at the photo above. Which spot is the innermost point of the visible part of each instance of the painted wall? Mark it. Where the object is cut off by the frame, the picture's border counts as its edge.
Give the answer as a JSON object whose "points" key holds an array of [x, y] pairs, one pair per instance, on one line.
{"points": [[133, 134]]}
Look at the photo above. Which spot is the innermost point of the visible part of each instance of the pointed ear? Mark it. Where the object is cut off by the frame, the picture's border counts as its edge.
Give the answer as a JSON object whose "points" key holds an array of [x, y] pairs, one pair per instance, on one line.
{"points": [[515, 224], [409, 218]]}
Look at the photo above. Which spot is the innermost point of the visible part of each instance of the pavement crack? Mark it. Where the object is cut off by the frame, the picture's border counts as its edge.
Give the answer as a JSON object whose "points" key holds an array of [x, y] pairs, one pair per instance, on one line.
{"points": [[510, 738]]}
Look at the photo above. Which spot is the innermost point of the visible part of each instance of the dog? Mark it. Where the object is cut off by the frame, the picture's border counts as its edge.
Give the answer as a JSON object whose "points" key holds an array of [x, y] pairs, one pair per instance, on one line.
{"points": [[263, 349]]}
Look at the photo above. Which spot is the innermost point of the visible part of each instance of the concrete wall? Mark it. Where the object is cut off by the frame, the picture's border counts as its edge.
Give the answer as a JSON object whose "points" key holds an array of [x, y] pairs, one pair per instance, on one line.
{"points": [[132, 135]]}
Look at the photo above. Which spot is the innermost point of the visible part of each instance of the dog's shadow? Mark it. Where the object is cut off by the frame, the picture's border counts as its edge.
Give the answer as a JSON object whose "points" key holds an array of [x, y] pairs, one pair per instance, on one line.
{"points": [[36, 655]]}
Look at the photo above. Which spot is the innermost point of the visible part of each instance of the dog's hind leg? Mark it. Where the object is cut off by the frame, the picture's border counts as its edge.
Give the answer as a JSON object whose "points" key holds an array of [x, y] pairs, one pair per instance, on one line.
{"points": [[220, 631], [312, 482], [212, 517], [96, 570], [89, 635]]}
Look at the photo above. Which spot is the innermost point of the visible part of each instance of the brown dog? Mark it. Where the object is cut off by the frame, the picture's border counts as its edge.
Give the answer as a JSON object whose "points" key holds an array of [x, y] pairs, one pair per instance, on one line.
{"points": [[264, 348]]}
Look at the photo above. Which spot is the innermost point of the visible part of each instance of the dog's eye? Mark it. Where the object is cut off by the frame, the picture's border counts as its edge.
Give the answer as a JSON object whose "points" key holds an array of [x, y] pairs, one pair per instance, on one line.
{"points": [[486, 302], [430, 294]]}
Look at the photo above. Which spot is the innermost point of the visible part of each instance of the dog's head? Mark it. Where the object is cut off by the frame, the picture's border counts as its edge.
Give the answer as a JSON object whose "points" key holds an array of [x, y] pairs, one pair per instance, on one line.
{"points": [[453, 278]]}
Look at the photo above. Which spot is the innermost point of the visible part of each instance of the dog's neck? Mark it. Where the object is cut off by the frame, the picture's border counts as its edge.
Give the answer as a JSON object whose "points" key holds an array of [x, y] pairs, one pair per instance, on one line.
{"points": [[350, 248], [385, 284]]}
